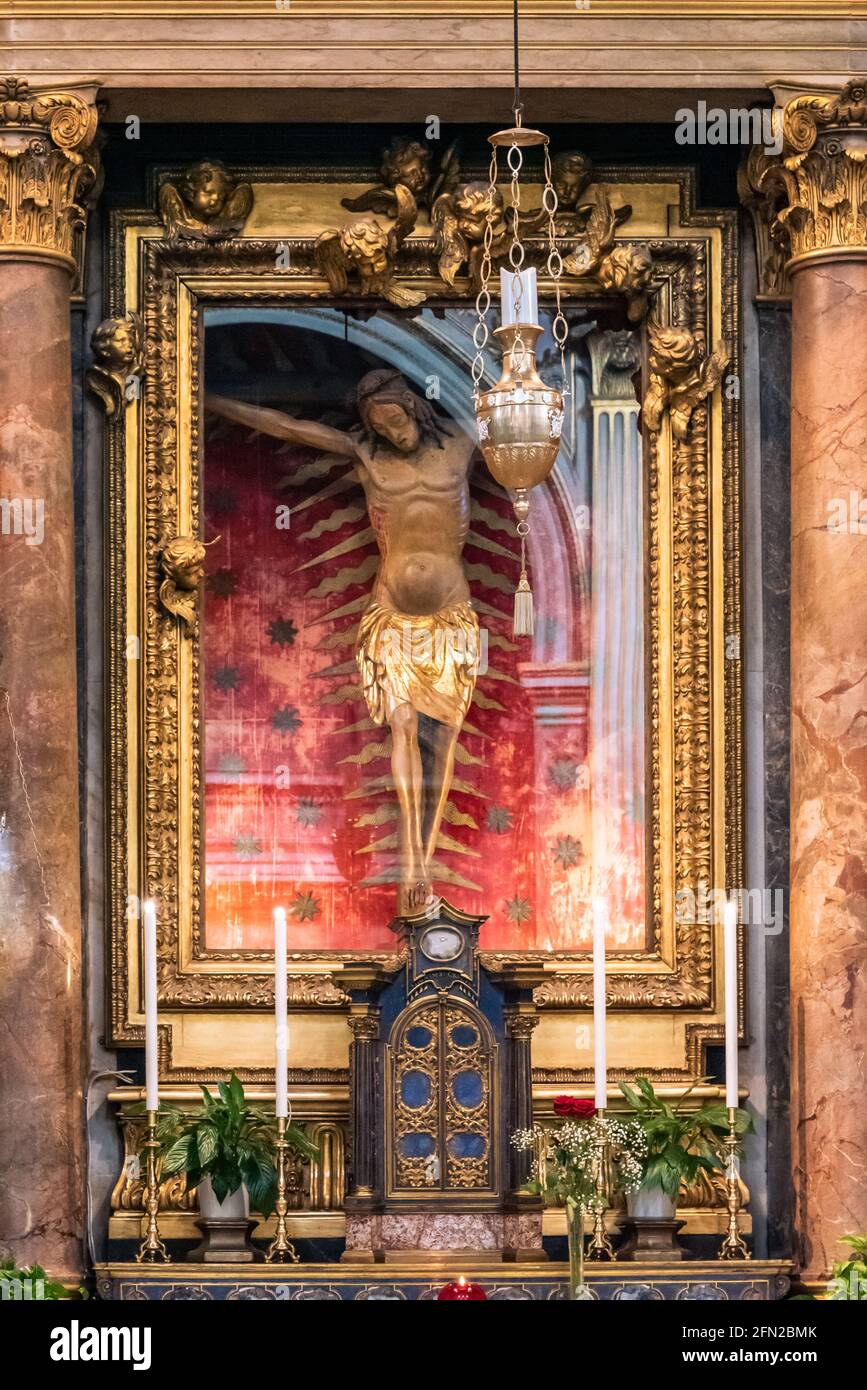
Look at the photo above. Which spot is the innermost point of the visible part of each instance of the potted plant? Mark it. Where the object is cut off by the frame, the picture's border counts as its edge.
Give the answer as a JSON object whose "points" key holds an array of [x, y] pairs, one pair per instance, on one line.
{"points": [[681, 1143], [32, 1284], [849, 1277], [566, 1164], [227, 1152]]}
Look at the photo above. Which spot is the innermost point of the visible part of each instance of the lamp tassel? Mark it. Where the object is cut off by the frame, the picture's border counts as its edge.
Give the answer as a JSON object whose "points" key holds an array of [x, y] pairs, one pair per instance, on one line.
{"points": [[523, 621], [523, 625]]}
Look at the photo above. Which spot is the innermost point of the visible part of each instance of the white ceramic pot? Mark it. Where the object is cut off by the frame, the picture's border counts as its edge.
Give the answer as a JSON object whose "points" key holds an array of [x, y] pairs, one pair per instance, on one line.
{"points": [[236, 1206], [650, 1204]]}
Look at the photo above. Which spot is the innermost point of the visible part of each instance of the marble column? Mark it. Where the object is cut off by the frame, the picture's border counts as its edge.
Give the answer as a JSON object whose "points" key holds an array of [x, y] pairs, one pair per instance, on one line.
{"points": [[817, 192], [47, 164]]}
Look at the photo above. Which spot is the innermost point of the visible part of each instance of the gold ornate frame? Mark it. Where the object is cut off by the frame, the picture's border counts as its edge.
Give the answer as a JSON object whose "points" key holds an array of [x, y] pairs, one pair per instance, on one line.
{"points": [[694, 794]]}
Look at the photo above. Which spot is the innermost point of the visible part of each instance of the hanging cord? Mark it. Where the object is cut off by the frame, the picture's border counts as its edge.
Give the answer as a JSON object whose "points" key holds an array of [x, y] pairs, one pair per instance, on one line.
{"points": [[516, 99]]}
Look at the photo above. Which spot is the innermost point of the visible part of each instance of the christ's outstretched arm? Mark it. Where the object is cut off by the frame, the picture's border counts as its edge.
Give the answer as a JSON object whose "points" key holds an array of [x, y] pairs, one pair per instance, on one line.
{"points": [[282, 426]]}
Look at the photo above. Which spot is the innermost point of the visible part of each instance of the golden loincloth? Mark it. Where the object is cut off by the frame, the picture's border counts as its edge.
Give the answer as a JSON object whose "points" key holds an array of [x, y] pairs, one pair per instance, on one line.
{"points": [[429, 662]]}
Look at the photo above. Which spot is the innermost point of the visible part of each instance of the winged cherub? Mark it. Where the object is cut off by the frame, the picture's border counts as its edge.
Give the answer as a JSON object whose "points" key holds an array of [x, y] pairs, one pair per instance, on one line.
{"points": [[206, 204], [459, 221], [681, 376], [407, 163], [367, 247]]}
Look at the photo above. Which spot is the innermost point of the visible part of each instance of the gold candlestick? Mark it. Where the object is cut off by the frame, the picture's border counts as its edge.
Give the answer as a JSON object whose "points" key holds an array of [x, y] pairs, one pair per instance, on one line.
{"points": [[281, 1248], [600, 1247], [151, 1248], [733, 1246]]}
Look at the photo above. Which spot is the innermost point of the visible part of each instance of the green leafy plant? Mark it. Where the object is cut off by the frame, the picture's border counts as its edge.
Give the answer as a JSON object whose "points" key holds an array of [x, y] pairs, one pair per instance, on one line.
{"points": [[33, 1284], [681, 1143], [849, 1281], [231, 1141]]}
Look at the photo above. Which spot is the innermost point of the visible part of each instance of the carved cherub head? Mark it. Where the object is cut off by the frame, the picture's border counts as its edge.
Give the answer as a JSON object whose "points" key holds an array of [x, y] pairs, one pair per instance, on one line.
{"points": [[116, 342], [365, 243], [206, 203], [459, 221], [183, 564], [184, 561], [117, 348], [471, 208], [674, 352], [206, 188], [408, 162], [570, 174]]}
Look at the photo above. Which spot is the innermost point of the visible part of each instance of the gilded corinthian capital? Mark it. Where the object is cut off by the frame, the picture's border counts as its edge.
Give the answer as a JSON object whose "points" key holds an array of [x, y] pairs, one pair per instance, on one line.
{"points": [[48, 163], [810, 200]]}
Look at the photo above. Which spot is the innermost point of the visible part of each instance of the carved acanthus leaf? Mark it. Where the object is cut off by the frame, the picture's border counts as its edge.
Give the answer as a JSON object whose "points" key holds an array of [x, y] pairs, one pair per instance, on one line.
{"points": [[812, 196]]}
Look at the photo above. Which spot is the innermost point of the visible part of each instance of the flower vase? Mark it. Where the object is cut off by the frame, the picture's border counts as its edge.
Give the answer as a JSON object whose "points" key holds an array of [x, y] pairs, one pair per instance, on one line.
{"points": [[578, 1290]]}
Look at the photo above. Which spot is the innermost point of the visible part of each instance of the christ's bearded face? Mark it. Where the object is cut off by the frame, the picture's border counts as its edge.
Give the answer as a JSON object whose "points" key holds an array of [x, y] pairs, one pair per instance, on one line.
{"points": [[395, 424]]}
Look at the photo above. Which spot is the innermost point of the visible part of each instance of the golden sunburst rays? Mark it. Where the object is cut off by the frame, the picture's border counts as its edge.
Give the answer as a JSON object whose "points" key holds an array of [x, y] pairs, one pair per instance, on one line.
{"points": [[369, 752], [319, 467], [343, 516], [493, 520]]}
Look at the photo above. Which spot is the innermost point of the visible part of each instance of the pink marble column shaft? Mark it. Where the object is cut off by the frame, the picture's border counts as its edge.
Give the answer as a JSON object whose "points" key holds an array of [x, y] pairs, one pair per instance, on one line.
{"points": [[829, 754], [41, 1113]]}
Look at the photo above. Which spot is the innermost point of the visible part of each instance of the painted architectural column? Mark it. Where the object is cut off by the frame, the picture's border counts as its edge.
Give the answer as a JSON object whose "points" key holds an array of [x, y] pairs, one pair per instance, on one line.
{"points": [[365, 1184], [816, 192], [520, 1021], [47, 165], [617, 738]]}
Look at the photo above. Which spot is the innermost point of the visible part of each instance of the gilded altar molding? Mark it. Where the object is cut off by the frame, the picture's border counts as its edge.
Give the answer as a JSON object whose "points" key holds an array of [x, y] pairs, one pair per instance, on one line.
{"points": [[48, 165], [692, 507], [810, 200]]}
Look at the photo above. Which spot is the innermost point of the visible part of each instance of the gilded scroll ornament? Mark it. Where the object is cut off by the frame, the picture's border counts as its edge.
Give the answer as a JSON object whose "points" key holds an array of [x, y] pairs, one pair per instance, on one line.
{"points": [[206, 204], [48, 163], [368, 249], [183, 564], [681, 376], [816, 188], [117, 350]]}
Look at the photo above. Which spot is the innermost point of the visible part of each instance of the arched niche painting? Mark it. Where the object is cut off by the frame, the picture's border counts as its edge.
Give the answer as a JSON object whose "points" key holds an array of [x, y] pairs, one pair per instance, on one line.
{"points": [[298, 794]]}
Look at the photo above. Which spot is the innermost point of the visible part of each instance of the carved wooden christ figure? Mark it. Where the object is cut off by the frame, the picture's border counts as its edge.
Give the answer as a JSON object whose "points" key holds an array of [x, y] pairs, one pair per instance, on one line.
{"points": [[417, 646]]}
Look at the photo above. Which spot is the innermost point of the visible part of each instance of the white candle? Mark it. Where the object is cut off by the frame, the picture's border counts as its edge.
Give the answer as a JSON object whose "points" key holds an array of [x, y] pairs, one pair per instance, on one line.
{"points": [[600, 1065], [730, 955], [518, 296], [281, 1077], [152, 1082]]}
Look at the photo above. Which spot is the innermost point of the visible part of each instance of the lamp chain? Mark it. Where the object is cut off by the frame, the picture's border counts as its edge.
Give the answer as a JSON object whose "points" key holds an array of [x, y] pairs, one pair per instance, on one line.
{"points": [[559, 327], [483, 298]]}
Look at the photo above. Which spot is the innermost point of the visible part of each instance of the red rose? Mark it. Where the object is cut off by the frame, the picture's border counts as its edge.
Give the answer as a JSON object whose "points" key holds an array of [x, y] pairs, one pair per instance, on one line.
{"points": [[574, 1107]]}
